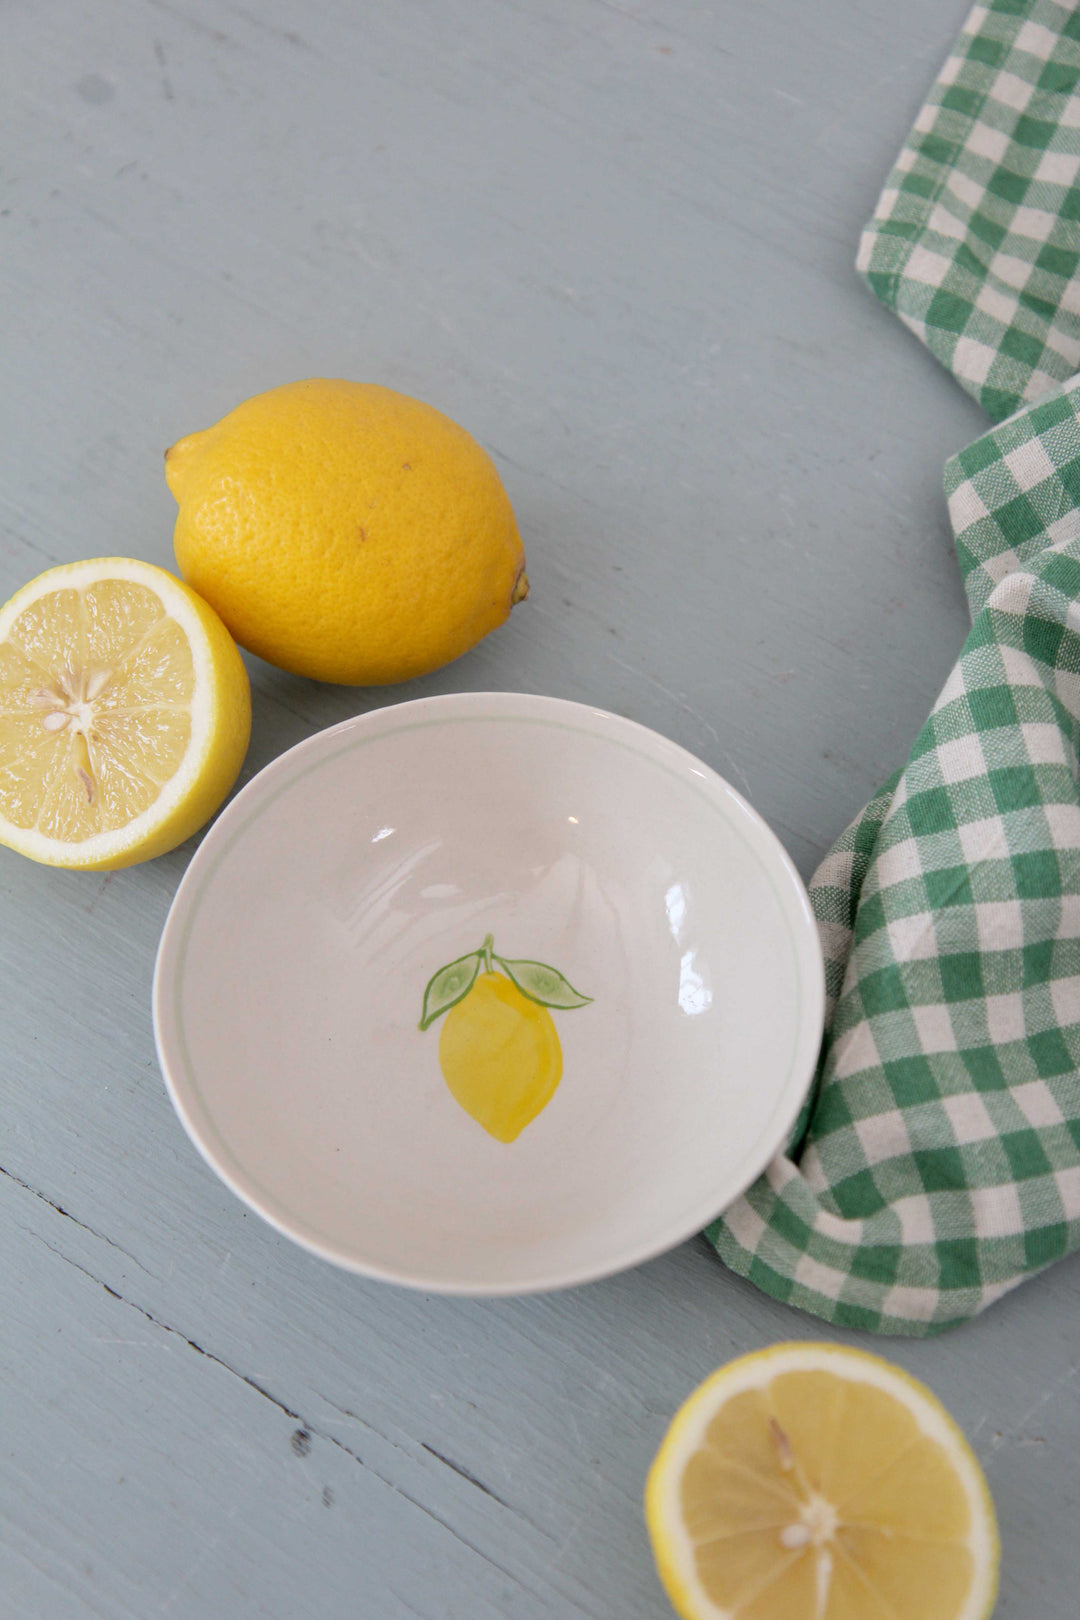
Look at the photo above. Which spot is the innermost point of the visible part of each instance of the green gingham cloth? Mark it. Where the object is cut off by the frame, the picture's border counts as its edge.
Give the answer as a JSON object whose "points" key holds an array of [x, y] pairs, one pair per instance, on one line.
{"points": [[975, 241], [937, 1162]]}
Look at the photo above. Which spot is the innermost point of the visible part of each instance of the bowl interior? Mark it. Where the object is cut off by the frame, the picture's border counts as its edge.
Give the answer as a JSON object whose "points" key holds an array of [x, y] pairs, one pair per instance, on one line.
{"points": [[294, 963]]}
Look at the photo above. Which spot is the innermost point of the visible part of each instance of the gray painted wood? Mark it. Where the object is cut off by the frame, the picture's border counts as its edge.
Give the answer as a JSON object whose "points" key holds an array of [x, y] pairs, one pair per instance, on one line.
{"points": [[616, 242]]}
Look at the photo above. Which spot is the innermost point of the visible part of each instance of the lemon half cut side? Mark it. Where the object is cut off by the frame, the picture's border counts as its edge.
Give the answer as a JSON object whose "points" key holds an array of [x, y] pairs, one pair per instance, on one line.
{"points": [[125, 712], [818, 1482]]}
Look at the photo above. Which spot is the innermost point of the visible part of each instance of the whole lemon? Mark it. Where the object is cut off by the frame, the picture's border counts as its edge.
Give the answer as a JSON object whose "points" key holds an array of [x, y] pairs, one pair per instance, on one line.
{"points": [[346, 532]]}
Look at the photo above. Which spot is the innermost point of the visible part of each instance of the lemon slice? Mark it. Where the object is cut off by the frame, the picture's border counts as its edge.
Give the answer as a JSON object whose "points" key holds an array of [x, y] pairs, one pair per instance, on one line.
{"points": [[125, 712], [813, 1482]]}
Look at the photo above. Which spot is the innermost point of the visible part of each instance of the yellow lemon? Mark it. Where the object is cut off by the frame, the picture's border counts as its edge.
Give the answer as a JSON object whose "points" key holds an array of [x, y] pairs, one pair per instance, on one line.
{"points": [[346, 532], [500, 1056], [124, 714], [815, 1482]]}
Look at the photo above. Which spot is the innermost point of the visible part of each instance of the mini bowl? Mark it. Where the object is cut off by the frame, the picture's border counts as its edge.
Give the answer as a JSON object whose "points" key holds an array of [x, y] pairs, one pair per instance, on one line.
{"points": [[292, 971]]}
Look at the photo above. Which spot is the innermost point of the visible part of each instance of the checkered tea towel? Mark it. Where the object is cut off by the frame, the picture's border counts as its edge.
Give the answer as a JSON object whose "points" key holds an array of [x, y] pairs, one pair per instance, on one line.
{"points": [[975, 242], [938, 1160], [942, 1160]]}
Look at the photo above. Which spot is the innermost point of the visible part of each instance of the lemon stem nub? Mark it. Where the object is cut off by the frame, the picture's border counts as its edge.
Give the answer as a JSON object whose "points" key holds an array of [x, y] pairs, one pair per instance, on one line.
{"points": [[486, 948]]}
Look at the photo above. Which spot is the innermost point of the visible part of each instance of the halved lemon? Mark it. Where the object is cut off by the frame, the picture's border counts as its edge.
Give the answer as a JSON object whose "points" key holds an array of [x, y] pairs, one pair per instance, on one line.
{"points": [[125, 712], [815, 1482]]}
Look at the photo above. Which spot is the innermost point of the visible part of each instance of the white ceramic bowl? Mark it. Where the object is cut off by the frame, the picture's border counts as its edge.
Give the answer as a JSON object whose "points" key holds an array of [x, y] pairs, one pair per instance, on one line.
{"points": [[292, 971]]}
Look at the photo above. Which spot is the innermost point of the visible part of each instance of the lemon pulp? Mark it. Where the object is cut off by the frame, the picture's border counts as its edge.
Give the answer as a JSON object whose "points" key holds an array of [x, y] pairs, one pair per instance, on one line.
{"points": [[812, 1482], [124, 714], [500, 1056]]}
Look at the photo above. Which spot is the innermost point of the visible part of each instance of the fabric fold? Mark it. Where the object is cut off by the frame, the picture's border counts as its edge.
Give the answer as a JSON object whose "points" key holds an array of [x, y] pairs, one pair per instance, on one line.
{"points": [[975, 241], [938, 1159]]}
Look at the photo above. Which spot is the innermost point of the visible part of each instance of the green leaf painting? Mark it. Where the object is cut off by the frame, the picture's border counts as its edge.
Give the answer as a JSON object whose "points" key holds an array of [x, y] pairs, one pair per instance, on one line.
{"points": [[451, 984], [542, 983]]}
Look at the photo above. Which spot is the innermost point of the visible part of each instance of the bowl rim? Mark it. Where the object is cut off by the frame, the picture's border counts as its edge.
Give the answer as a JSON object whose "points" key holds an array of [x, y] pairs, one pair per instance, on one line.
{"points": [[245, 806]]}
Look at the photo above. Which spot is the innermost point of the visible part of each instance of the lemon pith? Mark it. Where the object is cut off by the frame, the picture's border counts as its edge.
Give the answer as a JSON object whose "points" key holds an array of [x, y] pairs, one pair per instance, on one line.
{"points": [[500, 1056], [817, 1482], [346, 532], [124, 714]]}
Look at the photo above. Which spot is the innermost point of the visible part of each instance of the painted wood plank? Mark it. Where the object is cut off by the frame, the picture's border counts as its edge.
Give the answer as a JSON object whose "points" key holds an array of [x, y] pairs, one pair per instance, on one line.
{"points": [[616, 242]]}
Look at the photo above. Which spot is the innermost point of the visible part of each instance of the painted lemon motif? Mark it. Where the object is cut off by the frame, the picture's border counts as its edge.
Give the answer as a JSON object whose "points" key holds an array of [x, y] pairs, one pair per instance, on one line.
{"points": [[500, 1056], [499, 1050]]}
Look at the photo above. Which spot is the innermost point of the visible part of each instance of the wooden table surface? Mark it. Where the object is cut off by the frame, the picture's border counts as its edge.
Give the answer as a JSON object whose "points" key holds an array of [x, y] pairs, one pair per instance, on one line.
{"points": [[615, 241]]}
